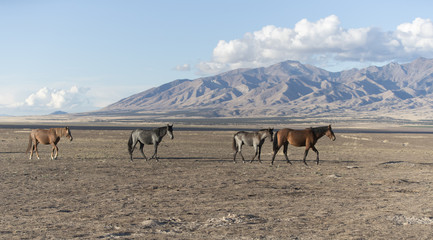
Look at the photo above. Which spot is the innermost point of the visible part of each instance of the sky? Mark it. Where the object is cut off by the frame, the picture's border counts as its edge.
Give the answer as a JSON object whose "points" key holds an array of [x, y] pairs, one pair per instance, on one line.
{"points": [[82, 55]]}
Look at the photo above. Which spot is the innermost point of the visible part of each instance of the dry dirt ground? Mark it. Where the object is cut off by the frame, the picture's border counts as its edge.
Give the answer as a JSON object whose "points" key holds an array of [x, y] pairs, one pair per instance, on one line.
{"points": [[367, 186]]}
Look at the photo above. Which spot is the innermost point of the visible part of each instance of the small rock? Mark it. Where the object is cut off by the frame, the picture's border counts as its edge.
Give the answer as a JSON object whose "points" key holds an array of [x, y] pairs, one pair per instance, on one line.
{"points": [[149, 223]]}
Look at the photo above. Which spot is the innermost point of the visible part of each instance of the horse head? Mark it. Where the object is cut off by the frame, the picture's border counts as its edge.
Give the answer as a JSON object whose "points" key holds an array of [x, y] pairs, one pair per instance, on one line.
{"points": [[68, 133], [271, 133], [330, 133], [170, 130]]}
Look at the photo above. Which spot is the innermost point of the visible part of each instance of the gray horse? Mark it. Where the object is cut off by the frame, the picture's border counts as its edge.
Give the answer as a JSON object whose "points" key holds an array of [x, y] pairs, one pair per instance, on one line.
{"points": [[148, 137], [255, 139]]}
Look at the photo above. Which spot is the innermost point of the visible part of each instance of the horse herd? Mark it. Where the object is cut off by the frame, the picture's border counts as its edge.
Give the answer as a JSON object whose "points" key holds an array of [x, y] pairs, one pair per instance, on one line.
{"points": [[307, 137]]}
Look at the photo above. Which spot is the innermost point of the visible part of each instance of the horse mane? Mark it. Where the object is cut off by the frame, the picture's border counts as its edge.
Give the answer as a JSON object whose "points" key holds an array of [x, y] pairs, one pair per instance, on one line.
{"points": [[59, 131], [55, 130], [161, 129], [319, 130], [265, 129]]}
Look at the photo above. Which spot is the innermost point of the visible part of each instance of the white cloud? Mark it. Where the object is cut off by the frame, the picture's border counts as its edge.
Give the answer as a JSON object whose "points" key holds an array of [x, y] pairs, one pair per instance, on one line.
{"points": [[416, 36], [322, 43], [57, 99], [14, 101], [46, 100], [184, 67], [38, 97]]}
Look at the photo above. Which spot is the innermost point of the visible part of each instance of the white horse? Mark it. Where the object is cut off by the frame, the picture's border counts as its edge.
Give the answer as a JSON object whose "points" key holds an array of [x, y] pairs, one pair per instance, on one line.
{"points": [[255, 139]]}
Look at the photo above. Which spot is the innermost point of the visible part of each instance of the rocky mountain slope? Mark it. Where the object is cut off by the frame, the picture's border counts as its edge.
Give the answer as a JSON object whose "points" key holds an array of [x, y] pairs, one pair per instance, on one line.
{"points": [[292, 88]]}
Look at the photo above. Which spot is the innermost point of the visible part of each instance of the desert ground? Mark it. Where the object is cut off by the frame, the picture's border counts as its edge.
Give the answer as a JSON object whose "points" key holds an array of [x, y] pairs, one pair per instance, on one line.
{"points": [[367, 186]]}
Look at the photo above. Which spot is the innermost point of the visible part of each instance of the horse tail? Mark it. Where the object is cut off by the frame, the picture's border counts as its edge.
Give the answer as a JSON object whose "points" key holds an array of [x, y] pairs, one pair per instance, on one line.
{"points": [[275, 142], [234, 145], [30, 143], [130, 141]]}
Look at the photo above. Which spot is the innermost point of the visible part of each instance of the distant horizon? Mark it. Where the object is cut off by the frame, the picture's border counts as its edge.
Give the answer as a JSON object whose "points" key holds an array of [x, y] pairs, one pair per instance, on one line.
{"points": [[290, 88], [61, 112]]}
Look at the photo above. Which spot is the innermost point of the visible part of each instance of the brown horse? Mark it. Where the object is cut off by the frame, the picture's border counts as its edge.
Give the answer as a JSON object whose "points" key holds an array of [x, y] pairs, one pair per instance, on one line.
{"points": [[47, 136], [299, 138]]}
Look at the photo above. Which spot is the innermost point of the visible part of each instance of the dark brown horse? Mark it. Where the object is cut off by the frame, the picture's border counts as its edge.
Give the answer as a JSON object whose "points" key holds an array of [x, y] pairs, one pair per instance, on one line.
{"points": [[299, 138], [47, 136]]}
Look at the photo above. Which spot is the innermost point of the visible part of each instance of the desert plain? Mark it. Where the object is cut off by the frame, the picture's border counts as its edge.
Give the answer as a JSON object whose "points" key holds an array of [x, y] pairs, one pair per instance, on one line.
{"points": [[367, 186]]}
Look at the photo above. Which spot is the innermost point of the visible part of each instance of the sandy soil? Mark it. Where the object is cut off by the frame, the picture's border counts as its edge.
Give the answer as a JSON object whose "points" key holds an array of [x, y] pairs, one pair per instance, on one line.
{"points": [[367, 186]]}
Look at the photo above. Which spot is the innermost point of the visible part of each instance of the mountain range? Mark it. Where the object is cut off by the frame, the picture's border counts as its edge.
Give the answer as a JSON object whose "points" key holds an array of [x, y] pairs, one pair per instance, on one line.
{"points": [[291, 88]]}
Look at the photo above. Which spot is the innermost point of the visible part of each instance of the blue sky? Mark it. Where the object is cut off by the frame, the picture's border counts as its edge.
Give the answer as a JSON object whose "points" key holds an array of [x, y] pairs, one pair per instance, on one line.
{"points": [[82, 55]]}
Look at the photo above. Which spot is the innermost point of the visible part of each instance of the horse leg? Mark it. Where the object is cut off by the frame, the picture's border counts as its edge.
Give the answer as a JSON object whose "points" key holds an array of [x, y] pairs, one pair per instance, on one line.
{"points": [[132, 149], [52, 152], [57, 152], [239, 150], [286, 146], [256, 150], [305, 155], [243, 159], [155, 154], [53, 149], [234, 157], [237, 147], [273, 157], [142, 151], [317, 152], [36, 150], [260, 152], [275, 153], [31, 151]]}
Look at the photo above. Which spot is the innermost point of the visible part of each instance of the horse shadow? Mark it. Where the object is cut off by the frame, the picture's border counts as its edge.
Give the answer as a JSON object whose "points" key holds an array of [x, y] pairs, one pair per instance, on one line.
{"points": [[329, 161], [197, 159]]}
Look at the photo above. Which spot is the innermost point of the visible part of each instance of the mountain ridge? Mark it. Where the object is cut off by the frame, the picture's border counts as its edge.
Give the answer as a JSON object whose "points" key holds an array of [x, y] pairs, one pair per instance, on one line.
{"points": [[291, 87]]}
